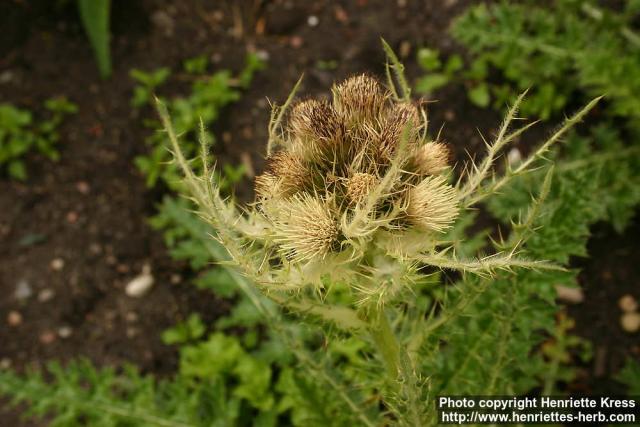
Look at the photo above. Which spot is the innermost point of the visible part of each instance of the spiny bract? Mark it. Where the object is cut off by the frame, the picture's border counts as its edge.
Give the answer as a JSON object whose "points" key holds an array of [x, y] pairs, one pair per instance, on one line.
{"points": [[353, 177]]}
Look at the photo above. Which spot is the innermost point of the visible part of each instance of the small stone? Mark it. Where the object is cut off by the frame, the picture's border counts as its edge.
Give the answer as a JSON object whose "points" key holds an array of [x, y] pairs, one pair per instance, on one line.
{"points": [[57, 264], [111, 260], [341, 15], [405, 49], [164, 22], [5, 363], [630, 322], [514, 156], [64, 332], [83, 187], [226, 137], [262, 54], [296, 42], [132, 332], [23, 290], [95, 249], [123, 268], [72, 217], [131, 316], [6, 77], [628, 303], [47, 337], [313, 21], [449, 115], [14, 318], [569, 295], [175, 279], [46, 295], [141, 284]]}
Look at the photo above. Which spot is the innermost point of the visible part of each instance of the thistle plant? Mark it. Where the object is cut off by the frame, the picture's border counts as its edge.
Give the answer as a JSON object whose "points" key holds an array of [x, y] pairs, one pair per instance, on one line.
{"points": [[357, 198]]}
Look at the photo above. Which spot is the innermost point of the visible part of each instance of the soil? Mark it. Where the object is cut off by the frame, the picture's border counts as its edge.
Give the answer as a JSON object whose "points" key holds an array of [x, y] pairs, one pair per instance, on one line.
{"points": [[90, 208]]}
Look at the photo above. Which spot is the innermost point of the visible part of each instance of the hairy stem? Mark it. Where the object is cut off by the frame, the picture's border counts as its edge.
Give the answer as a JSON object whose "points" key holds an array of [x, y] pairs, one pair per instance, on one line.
{"points": [[386, 342]]}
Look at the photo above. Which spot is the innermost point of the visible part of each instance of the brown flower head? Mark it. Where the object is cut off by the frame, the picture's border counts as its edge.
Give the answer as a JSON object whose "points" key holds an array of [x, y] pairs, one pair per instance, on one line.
{"points": [[431, 159], [432, 204], [359, 185], [359, 99]]}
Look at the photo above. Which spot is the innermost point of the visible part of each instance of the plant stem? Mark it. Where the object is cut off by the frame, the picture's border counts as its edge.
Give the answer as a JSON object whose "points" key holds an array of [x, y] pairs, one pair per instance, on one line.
{"points": [[386, 342]]}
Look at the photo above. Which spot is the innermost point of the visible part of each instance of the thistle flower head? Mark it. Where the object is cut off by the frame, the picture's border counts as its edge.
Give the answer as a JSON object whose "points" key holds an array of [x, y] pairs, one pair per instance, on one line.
{"points": [[359, 99], [291, 174], [316, 129], [339, 179], [355, 195], [432, 204], [401, 127], [431, 158], [359, 186], [306, 228]]}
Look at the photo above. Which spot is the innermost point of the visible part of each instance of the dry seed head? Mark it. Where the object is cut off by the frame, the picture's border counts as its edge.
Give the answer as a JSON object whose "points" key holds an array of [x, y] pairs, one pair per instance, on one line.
{"points": [[316, 127], [359, 186], [432, 158], [359, 98], [306, 227], [432, 204], [266, 186], [290, 172], [402, 124]]}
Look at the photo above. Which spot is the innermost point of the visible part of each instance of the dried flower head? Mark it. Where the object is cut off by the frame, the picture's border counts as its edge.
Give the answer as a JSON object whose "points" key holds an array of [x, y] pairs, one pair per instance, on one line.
{"points": [[401, 127], [431, 159], [355, 196], [432, 204], [359, 186], [266, 186], [359, 99], [306, 228], [287, 172], [316, 129], [361, 132]]}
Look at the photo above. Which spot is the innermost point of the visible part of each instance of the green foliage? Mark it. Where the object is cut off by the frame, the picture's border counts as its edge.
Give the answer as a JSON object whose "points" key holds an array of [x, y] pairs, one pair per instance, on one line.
{"points": [[147, 83], [21, 133], [557, 49], [197, 65], [630, 376], [510, 317], [95, 20], [496, 333], [189, 330], [209, 95], [438, 75]]}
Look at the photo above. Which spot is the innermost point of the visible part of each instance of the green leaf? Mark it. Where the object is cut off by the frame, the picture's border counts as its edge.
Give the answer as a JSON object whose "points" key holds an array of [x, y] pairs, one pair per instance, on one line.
{"points": [[428, 59], [219, 281], [95, 19], [190, 330], [17, 170], [479, 95], [454, 64], [431, 82]]}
